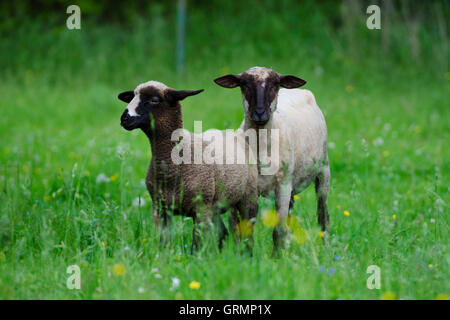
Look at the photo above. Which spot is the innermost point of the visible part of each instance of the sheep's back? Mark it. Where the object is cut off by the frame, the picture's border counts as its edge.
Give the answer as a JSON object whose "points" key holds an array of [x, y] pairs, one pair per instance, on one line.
{"points": [[188, 183], [233, 177]]}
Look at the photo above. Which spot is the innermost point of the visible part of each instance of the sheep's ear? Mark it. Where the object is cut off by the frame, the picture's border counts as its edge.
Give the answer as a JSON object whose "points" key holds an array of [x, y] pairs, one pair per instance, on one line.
{"points": [[126, 96], [291, 82], [228, 81], [178, 95]]}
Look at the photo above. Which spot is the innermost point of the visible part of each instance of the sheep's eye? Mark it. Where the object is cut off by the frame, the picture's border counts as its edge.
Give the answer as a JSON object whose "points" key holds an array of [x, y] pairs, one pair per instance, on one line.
{"points": [[155, 100]]}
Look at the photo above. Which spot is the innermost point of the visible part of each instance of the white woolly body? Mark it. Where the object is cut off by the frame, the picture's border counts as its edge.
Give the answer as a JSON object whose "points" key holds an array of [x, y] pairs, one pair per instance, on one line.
{"points": [[303, 136]]}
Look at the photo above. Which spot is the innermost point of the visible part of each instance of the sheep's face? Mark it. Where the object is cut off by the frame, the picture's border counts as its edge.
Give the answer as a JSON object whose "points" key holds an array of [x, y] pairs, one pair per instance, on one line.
{"points": [[259, 87], [151, 99]]}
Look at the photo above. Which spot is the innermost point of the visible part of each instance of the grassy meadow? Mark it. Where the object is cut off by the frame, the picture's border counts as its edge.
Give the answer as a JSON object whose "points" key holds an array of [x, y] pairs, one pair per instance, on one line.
{"points": [[71, 177]]}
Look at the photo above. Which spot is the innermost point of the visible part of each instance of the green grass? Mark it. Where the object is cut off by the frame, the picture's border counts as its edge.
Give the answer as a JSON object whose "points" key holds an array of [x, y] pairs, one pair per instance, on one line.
{"points": [[388, 128]]}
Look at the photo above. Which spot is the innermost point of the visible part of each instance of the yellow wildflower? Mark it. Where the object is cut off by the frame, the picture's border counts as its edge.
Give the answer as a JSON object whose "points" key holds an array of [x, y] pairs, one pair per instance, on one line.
{"points": [[118, 269], [394, 216], [430, 266], [179, 296], [194, 285], [245, 228], [293, 223], [320, 234], [346, 213], [104, 243], [300, 235], [388, 296], [296, 197], [270, 218], [442, 296], [114, 177]]}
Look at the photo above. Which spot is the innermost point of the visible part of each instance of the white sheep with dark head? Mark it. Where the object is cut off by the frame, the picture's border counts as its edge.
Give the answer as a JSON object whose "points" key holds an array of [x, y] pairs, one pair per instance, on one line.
{"points": [[302, 137]]}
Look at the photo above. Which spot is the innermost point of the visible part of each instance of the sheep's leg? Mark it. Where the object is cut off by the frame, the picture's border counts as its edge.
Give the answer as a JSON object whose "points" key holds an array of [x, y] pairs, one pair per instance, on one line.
{"points": [[218, 223], [222, 230], [202, 226], [233, 220], [165, 231], [161, 220], [195, 242], [322, 184], [291, 202], [248, 209], [155, 216], [283, 199]]}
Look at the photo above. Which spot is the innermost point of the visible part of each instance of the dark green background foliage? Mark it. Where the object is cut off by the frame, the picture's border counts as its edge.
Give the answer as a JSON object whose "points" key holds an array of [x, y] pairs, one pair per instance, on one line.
{"points": [[384, 94]]}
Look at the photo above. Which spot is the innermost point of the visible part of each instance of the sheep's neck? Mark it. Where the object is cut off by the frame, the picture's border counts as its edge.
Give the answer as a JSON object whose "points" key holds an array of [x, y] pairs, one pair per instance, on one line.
{"points": [[160, 133], [261, 144]]}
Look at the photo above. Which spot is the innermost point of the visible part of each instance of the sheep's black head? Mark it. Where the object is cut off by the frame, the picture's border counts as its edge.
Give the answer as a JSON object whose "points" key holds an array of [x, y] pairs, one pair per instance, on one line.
{"points": [[150, 99], [259, 87]]}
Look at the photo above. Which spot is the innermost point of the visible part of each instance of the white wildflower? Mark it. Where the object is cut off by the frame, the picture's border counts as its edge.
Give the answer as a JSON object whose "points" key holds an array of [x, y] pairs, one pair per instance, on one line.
{"points": [[102, 178], [175, 283], [122, 149], [138, 202], [378, 141]]}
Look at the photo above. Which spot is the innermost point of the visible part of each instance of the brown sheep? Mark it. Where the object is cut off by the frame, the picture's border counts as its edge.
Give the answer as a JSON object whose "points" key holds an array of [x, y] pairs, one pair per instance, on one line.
{"points": [[188, 188]]}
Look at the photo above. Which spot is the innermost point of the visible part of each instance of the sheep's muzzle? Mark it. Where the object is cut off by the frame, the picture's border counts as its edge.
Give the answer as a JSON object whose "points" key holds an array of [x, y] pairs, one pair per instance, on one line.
{"points": [[128, 122], [260, 116]]}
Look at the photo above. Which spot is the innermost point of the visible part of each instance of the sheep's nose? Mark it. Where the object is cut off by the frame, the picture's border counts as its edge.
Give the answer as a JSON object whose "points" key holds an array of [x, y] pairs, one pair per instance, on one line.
{"points": [[260, 116], [125, 116], [260, 111]]}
